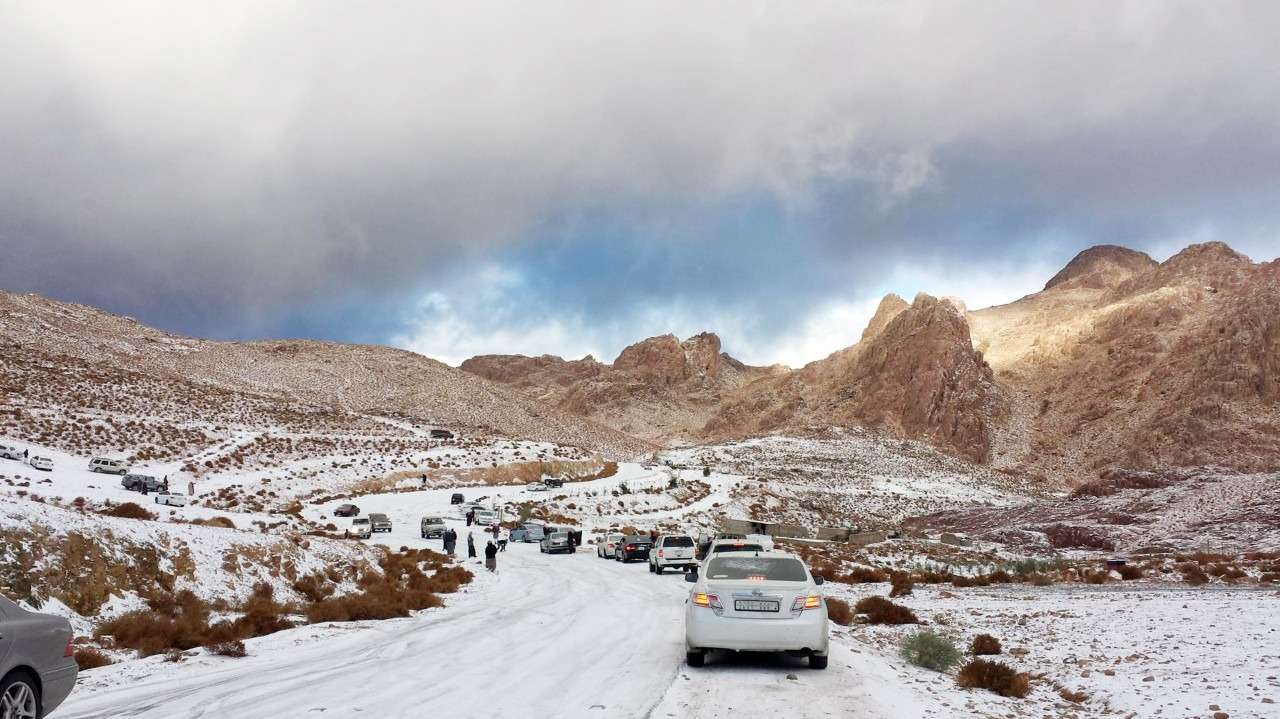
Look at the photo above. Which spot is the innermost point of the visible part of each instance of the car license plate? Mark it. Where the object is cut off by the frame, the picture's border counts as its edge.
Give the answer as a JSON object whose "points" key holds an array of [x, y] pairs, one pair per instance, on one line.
{"points": [[754, 605]]}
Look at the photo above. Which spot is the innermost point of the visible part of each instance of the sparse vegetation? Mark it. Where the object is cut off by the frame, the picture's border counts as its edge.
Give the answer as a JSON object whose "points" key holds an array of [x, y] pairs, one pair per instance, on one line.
{"points": [[985, 644], [879, 610], [996, 676], [839, 612], [929, 650], [91, 658]]}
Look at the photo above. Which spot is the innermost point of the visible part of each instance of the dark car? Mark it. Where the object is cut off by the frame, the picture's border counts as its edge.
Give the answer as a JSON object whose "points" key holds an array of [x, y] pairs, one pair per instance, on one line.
{"points": [[632, 549], [553, 482], [441, 434], [457, 498], [135, 483], [37, 661], [346, 510]]}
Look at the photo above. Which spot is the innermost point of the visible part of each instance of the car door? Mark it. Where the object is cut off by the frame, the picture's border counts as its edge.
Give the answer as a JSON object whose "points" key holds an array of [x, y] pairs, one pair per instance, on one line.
{"points": [[7, 632]]}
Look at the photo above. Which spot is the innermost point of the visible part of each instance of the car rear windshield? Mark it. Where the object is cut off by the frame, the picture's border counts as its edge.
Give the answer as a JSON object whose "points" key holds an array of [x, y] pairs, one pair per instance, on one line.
{"points": [[782, 569], [736, 547], [678, 542]]}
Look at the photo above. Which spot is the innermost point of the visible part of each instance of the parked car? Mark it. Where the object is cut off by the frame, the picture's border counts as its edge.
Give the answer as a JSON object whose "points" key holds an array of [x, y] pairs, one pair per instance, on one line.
{"points": [[173, 499], [10, 451], [432, 527], [441, 434], [486, 517], [528, 533], [555, 542], [346, 510], [135, 483], [380, 522], [606, 543], [106, 465], [672, 551], [535, 487], [37, 661], [361, 528], [760, 602], [41, 463], [457, 498], [632, 548], [553, 482], [731, 545]]}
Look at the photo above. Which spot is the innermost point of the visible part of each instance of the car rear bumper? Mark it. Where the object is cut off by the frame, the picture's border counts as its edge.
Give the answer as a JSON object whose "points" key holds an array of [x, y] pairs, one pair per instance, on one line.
{"points": [[705, 630], [57, 685]]}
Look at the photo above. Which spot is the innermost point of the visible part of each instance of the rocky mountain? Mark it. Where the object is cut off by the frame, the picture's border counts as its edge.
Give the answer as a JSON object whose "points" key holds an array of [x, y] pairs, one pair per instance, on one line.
{"points": [[1119, 361], [659, 389], [82, 362]]}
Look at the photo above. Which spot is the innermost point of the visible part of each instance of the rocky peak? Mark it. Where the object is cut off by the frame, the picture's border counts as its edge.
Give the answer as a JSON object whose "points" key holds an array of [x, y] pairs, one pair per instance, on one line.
{"points": [[889, 308], [666, 361], [1101, 267]]}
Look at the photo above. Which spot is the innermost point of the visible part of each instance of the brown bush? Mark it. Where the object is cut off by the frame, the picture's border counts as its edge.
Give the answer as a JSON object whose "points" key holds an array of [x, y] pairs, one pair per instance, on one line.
{"points": [[1227, 572], [863, 575], [839, 612], [985, 644], [91, 658], [314, 587], [999, 577], [933, 577], [981, 580], [129, 510], [902, 584], [229, 649], [996, 676], [1130, 572], [224, 522], [1192, 574], [1097, 576], [882, 611], [261, 614]]}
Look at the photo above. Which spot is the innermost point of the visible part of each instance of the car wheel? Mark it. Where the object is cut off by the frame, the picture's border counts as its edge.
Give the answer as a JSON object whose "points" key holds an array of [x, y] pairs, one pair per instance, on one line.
{"points": [[157, 500], [695, 659], [650, 564], [657, 569], [20, 696], [818, 661]]}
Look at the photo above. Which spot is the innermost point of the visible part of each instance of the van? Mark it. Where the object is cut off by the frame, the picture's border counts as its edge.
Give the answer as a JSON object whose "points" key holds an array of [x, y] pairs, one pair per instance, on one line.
{"points": [[107, 465]]}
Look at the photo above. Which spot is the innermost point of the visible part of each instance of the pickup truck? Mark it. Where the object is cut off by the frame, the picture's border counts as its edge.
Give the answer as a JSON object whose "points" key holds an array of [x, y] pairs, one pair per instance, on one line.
{"points": [[672, 551], [380, 522]]}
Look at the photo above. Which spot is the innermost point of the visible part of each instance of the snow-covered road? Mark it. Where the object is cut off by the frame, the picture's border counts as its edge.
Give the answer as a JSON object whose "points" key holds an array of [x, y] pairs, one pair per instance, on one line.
{"points": [[547, 636]]}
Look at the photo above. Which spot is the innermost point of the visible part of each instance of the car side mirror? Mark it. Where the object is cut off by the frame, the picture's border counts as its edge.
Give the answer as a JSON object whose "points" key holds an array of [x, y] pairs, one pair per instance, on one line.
{"points": [[817, 579], [691, 576]]}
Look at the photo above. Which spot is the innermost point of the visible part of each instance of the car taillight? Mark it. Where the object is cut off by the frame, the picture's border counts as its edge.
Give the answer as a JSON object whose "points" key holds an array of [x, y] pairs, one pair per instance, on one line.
{"points": [[659, 552], [630, 546], [802, 603], [70, 651], [709, 600]]}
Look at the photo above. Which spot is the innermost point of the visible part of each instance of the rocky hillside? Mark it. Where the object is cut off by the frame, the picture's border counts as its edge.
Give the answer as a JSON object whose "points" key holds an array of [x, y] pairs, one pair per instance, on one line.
{"points": [[1119, 361], [660, 389], [68, 360]]}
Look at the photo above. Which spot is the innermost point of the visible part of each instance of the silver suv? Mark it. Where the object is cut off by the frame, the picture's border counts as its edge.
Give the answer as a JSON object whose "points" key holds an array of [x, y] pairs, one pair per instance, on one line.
{"points": [[433, 527]]}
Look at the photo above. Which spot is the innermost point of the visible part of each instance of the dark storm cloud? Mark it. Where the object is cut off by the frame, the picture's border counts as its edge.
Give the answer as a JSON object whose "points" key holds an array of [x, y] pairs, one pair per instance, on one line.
{"points": [[289, 168]]}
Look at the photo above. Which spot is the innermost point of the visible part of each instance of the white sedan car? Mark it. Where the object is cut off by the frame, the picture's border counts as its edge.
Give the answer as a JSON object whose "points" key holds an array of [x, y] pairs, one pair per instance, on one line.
{"points": [[43, 463], [173, 499], [763, 601], [536, 487]]}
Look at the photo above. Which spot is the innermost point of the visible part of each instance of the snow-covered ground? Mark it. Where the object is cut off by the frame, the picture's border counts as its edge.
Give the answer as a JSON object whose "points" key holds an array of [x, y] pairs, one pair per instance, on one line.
{"points": [[576, 636]]}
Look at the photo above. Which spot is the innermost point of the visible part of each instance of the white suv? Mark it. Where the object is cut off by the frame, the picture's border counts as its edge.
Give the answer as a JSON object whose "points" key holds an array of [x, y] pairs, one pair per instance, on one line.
{"points": [[106, 465], [674, 551], [361, 528]]}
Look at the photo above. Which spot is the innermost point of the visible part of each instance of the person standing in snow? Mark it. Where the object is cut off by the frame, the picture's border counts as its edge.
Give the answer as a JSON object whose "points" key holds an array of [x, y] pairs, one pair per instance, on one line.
{"points": [[191, 488], [26, 455], [166, 483], [471, 545], [450, 540], [502, 540], [471, 517], [491, 557]]}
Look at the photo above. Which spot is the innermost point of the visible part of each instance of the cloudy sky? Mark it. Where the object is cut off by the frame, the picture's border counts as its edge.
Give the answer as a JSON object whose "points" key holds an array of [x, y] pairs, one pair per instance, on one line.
{"points": [[572, 177]]}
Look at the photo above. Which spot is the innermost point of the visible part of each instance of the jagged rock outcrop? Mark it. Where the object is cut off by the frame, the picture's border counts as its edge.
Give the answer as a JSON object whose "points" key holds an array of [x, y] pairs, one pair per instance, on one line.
{"points": [[890, 307], [1101, 267]]}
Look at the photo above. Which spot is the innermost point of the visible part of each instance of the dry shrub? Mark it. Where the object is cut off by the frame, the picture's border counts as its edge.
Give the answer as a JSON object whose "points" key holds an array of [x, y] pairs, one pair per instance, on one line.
{"points": [[1097, 576], [934, 577], [1041, 580], [1074, 697], [1130, 572], [863, 575], [1227, 572], [314, 587], [401, 588], [129, 510], [150, 631], [985, 644], [234, 648], [1192, 574], [999, 577], [261, 614], [91, 658], [1063, 536], [224, 522], [879, 610], [996, 676], [902, 584], [839, 612], [1270, 577], [981, 580]]}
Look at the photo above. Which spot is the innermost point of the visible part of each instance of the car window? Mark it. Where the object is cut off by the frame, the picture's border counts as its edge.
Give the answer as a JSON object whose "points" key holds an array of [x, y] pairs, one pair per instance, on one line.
{"points": [[782, 569], [678, 542]]}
